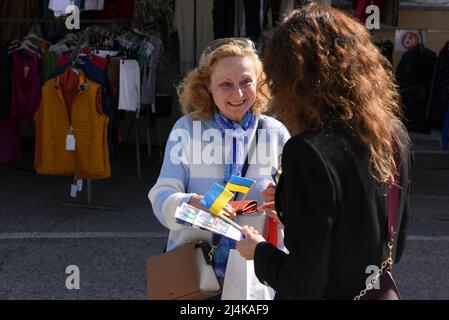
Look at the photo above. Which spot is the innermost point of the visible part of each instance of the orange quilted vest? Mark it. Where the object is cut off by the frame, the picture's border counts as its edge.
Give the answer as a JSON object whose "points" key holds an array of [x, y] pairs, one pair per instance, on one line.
{"points": [[90, 160]]}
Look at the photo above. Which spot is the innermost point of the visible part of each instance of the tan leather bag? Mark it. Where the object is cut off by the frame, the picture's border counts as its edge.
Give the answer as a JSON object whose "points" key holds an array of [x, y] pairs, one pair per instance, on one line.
{"points": [[184, 273]]}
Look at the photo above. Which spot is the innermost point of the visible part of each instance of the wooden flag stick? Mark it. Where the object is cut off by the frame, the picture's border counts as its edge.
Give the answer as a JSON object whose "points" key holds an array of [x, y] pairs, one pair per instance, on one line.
{"points": [[224, 218], [244, 197]]}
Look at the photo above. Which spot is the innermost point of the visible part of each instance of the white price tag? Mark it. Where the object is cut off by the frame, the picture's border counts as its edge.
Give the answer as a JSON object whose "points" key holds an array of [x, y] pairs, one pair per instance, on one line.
{"points": [[79, 183], [26, 71], [70, 142], [73, 190]]}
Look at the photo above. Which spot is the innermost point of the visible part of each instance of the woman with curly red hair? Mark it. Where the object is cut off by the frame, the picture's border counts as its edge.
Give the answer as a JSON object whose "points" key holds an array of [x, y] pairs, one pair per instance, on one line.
{"points": [[337, 95], [223, 100]]}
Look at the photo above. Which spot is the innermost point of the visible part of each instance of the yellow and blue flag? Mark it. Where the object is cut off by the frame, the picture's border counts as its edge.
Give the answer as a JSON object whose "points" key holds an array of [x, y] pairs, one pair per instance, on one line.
{"points": [[240, 184], [216, 198]]}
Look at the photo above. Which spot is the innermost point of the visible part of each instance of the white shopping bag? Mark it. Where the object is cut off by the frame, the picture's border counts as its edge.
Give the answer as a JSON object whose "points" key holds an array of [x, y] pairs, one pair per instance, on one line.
{"points": [[240, 281], [256, 220]]}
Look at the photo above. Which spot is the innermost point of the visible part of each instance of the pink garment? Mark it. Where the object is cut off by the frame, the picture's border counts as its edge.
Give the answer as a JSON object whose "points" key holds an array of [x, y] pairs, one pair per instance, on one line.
{"points": [[9, 140], [25, 87]]}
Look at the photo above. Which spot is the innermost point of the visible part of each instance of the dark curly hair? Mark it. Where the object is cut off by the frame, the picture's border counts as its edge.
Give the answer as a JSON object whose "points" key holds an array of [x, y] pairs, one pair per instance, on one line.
{"points": [[324, 72]]}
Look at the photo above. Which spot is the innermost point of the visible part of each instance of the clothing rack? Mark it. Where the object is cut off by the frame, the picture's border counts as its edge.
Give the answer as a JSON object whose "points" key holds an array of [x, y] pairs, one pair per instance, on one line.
{"points": [[89, 204], [84, 40], [136, 120]]}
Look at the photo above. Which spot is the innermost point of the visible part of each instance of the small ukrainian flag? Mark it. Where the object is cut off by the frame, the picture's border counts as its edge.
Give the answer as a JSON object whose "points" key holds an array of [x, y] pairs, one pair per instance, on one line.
{"points": [[240, 184], [216, 198]]}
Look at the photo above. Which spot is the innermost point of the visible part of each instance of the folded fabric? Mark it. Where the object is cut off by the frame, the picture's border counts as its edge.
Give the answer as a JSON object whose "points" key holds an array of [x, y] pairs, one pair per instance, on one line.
{"points": [[247, 206]]}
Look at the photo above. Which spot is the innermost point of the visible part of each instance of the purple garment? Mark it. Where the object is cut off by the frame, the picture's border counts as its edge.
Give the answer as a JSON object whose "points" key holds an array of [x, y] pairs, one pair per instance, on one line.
{"points": [[9, 140], [25, 87]]}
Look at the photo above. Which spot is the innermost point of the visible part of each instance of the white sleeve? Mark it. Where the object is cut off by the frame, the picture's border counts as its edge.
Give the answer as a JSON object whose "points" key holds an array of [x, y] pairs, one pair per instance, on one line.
{"points": [[169, 192], [165, 196]]}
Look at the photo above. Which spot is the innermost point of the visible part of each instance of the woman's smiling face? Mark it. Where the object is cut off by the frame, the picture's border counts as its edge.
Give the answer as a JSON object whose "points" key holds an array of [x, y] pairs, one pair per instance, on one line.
{"points": [[233, 84]]}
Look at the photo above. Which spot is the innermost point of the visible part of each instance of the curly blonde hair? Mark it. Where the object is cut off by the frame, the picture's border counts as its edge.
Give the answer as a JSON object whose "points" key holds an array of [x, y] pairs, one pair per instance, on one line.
{"points": [[324, 72], [194, 95]]}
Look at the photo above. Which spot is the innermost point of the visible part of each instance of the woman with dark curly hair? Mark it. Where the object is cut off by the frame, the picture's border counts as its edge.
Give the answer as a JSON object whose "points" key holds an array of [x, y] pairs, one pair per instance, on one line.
{"points": [[337, 95]]}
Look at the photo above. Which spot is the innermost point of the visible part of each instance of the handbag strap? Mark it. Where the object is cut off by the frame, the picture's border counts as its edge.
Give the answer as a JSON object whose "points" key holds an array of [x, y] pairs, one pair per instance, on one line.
{"points": [[251, 151], [252, 147], [393, 204]]}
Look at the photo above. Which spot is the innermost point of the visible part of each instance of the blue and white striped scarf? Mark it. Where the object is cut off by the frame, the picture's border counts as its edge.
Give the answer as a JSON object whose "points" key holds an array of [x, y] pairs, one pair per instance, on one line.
{"points": [[233, 166], [237, 132]]}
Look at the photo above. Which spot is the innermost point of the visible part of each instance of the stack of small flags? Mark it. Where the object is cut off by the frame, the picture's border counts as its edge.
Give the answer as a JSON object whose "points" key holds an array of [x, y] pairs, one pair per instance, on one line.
{"points": [[216, 198], [239, 184]]}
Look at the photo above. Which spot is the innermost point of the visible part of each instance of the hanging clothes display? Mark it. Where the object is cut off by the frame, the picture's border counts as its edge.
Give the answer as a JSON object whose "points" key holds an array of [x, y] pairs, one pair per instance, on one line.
{"points": [[129, 95], [48, 65], [156, 18], [148, 71], [439, 101], [238, 18], [273, 6], [414, 75], [195, 30], [25, 85], [20, 89], [389, 13], [89, 92], [253, 16], [223, 18], [100, 59], [248, 19], [113, 73]]}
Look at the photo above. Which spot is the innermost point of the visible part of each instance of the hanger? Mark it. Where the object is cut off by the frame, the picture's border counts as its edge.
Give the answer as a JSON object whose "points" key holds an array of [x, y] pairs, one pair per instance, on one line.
{"points": [[15, 44], [138, 32], [32, 35], [59, 48], [26, 44]]}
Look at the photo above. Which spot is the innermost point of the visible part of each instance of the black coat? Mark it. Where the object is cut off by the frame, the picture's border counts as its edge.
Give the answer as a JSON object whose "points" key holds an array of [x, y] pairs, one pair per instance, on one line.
{"points": [[439, 101], [414, 75], [335, 217]]}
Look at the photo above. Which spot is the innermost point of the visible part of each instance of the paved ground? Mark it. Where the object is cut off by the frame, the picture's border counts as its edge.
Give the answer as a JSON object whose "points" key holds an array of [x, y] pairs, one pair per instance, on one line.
{"points": [[422, 272], [39, 238]]}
